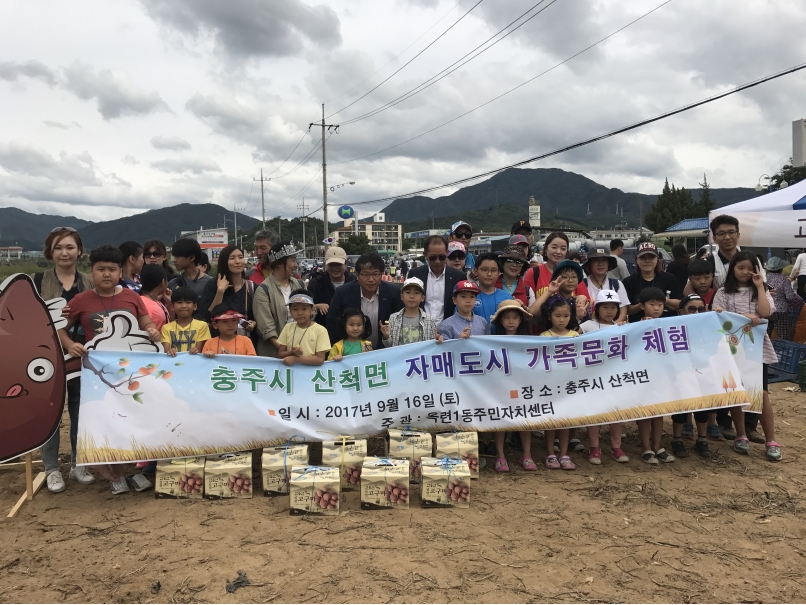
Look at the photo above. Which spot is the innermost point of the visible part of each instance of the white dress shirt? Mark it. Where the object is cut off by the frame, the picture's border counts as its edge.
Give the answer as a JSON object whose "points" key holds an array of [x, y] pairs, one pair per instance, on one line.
{"points": [[435, 296], [369, 307]]}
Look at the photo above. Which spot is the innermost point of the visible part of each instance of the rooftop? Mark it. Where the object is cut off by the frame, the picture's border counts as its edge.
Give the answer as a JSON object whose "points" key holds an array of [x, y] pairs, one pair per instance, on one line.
{"points": [[690, 224]]}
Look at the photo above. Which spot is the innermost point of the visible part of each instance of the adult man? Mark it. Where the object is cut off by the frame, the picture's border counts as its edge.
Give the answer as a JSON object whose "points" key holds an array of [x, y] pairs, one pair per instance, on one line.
{"points": [[522, 228], [264, 240], [460, 232], [439, 279], [620, 272], [376, 299], [187, 254], [323, 285]]}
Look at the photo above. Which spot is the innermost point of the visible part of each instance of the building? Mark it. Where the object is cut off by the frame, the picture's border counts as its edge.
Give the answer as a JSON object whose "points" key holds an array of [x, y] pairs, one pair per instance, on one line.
{"points": [[620, 232], [534, 212], [798, 143], [424, 233], [691, 232], [213, 241], [9, 252], [385, 238]]}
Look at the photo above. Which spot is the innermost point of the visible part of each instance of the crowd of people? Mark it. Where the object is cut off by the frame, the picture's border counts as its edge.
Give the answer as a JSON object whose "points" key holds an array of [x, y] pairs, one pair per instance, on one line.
{"points": [[270, 311]]}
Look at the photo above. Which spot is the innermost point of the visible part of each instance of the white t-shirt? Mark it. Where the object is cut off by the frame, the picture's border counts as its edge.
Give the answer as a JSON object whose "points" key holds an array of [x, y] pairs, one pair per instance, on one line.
{"points": [[594, 290], [592, 326], [435, 296], [286, 295]]}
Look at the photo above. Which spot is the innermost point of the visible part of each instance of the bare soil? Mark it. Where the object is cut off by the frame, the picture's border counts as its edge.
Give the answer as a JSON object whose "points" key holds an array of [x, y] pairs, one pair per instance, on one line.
{"points": [[726, 530]]}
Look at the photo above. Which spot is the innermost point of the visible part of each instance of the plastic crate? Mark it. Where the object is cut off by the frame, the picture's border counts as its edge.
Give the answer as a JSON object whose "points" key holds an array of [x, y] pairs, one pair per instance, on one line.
{"points": [[802, 376], [790, 355]]}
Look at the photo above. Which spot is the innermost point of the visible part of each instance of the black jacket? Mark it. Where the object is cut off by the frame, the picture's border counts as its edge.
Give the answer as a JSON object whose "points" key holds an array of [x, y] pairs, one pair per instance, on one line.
{"points": [[452, 277], [349, 295], [323, 290]]}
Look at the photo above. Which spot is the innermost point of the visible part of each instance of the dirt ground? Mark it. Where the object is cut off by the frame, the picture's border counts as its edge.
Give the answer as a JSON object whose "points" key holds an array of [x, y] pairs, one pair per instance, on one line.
{"points": [[727, 530]]}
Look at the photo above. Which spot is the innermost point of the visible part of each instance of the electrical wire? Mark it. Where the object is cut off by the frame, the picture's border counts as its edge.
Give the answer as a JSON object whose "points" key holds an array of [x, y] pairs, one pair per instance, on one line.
{"points": [[455, 65], [290, 154], [407, 62], [522, 84], [601, 137], [248, 208], [396, 56], [302, 162]]}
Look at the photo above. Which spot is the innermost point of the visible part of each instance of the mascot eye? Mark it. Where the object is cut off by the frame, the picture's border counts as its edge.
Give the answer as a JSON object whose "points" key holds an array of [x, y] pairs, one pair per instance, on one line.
{"points": [[40, 370]]}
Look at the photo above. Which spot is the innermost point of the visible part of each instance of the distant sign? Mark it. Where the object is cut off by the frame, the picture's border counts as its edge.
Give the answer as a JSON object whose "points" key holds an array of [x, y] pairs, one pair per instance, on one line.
{"points": [[345, 212], [209, 238]]}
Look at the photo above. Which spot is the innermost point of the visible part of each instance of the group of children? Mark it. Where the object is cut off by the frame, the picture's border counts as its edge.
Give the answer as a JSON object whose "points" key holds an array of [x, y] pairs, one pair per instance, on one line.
{"points": [[562, 315]]}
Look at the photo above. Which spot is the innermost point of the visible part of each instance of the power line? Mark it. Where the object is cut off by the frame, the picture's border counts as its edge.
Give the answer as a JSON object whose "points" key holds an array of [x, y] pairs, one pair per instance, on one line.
{"points": [[522, 84], [455, 65], [601, 137], [407, 62], [396, 56], [290, 154], [302, 162]]}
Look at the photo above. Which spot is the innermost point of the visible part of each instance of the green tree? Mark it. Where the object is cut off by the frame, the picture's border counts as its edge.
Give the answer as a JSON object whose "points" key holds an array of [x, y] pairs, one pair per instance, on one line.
{"points": [[789, 173], [706, 202], [357, 244], [673, 206], [408, 244]]}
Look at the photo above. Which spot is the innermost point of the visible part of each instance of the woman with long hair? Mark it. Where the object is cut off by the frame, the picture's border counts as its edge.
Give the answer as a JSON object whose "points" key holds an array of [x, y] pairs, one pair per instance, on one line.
{"points": [[230, 287], [155, 253]]}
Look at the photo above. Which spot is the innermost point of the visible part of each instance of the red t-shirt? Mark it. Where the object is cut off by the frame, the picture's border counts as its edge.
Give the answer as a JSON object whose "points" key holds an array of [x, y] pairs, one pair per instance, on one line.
{"points": [[90, 309], [708, 298], [544, 279]]}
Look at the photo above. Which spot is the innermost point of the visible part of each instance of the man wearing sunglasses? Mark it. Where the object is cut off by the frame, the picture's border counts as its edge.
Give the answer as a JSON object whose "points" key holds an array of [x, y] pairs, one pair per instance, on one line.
{"points": [[462, 232], [438, 277]]}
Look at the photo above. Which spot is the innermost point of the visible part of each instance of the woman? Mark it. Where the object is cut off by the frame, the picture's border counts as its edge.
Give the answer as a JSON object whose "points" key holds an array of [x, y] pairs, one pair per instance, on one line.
{"points": [[799, 273], [555, 250], [787, 303], [513, 263], [155, 253], [132, 265], [204, 263], [271, 298], [64, 247], [679, 266], [649, 275], [230, 287]]}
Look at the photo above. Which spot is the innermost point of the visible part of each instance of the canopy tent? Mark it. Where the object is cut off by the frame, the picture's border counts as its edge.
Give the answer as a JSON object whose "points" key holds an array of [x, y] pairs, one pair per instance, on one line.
{"points": [[777, 219]]}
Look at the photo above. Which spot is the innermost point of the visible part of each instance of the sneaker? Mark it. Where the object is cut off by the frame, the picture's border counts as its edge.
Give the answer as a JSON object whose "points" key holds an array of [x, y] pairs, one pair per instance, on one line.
{"points": [[118, 486], [702, 448], [679, 448], [728, 432], [714, 433], [688, 430], [664, 456], [773, 451], [55, 482], [741, 445], [754, 436], [619, 455], [595, 456], [81, 475], [649, 457], [575, 445], [139, 482]]}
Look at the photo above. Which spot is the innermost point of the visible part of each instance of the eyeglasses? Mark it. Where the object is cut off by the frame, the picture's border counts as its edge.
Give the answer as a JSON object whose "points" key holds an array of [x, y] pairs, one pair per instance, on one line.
{"points": [[512, 261], [152, 254], [457, 256], [696, 309], [463, 234], [370, 275], [488, 270], [731, 233], [57, 229], [434, 257]]}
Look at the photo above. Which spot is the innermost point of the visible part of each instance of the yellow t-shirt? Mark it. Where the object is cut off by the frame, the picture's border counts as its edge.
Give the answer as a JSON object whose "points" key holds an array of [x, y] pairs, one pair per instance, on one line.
{"points": [[571, 334], [313, 339], [183, 339]]}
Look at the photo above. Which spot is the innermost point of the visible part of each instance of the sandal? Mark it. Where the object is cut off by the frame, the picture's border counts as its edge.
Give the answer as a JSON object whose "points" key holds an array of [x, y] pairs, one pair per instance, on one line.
{"points": [[741, 445], [773, 451], [501, 465], [566, 464], [528, 464], [552, 462]]}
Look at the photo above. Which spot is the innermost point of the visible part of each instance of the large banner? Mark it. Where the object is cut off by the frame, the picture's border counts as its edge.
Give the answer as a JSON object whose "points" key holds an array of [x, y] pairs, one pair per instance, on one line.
{"points": [[147, 406]]}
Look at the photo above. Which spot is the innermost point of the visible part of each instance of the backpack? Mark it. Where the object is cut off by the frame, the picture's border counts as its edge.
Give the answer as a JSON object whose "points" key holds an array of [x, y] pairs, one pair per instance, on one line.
{"points": [[614, 283]]}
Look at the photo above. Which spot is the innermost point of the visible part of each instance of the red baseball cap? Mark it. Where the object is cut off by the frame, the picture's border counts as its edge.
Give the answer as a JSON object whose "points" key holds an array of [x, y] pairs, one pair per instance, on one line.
{"points": [[466, 286]]}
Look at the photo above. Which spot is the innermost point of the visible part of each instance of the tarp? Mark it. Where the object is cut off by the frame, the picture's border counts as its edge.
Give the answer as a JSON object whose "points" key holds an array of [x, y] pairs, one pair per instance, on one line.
{"points": [[776, 220]]}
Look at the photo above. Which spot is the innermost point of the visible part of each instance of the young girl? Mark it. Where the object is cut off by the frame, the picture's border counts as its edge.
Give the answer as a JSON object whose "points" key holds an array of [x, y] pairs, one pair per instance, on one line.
{"points": [[560, 318], [228, 341], [156, 295], [605, 314], [745, 293], [512, 319], [354, 330]]}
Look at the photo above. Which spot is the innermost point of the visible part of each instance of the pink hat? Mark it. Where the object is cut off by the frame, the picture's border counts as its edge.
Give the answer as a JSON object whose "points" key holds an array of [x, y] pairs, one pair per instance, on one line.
{"points": [[456, 247]]}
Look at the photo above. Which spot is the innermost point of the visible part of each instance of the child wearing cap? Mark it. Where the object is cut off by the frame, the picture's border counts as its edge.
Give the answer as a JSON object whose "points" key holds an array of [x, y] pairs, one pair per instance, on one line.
{"points": [[511, 319], [302, 341], [565, 282], [410, 324], [228, 341], [464, 322]]}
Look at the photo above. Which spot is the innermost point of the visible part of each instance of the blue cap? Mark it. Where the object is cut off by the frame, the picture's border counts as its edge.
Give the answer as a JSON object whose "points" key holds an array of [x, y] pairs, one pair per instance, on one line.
{"points": [[567, 264]]}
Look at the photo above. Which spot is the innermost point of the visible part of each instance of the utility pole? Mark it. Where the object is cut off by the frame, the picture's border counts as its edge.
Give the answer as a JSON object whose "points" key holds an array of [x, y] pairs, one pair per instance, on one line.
{"points": [[324, 167], [303, 207], [235, 223], [262, 199]]}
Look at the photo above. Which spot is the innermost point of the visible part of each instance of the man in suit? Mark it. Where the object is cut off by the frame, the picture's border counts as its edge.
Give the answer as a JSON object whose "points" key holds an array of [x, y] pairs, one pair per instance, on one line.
{"points": [[377, 299], [439, 279]]}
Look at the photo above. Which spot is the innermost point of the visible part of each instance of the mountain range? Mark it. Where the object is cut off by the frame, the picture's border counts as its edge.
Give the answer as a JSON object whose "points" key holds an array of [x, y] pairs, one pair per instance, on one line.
{"points": [[566, 198]]}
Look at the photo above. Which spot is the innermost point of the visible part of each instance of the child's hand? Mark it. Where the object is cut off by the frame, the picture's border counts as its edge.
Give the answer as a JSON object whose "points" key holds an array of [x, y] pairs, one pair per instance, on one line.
{"points": [[582, 304], [438, 337], [153, 334], [193, 351], [465, 333], [337, 358], [166, 297], [297, 351], [384, 329], [76, 350], [289, 361], [622, 323], [209, 353], [66, 311], [754, 320], [718, 309], [171, 352], [758, 281], [554, 285]]}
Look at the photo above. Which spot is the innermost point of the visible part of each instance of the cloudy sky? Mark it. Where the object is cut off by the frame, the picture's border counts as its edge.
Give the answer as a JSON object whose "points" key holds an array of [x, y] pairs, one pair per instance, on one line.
{"points": [[110, 109]]}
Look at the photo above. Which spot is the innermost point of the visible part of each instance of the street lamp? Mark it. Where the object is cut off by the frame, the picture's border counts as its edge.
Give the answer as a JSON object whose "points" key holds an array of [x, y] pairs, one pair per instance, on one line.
{"points": [[760, 187], [334, 187]]}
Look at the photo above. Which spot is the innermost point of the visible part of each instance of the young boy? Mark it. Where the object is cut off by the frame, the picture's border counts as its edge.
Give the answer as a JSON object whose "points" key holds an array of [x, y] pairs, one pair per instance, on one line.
{"points": [[91, 309], [187, 255], [565, 279], [465, 322], [489, 297], [411, 323], [652, 302], [184, 334], [689, 305], [701, 278], [303, 340], [228, 341]]}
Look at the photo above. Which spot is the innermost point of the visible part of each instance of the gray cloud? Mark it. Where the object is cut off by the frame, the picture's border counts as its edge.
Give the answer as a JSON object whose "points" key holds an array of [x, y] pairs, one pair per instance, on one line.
{"points": [[61, 126], [169, 143], [31, 69], [130, 159], [179, 166], [252, 28], [28, 160]]}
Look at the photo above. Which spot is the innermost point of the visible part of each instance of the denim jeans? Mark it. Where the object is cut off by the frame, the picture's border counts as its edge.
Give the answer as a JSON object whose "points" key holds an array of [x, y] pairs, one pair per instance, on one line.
{"points": [[50, 451]]}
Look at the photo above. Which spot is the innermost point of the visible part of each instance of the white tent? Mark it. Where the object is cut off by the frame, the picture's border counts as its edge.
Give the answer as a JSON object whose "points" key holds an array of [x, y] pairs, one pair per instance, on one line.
{"points": [[776, 220]]}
